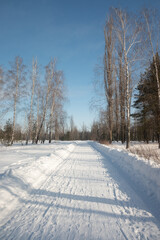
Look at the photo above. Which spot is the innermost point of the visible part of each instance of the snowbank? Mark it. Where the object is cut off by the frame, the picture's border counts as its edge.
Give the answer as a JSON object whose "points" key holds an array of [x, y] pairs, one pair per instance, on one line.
{"points": [[22, 175], [143, 172]]}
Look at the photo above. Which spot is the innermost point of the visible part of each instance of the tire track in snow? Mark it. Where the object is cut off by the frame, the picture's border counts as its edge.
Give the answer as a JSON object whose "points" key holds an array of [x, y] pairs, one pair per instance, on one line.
{"points": [[84, 214], [25, 207], [131, 205]]}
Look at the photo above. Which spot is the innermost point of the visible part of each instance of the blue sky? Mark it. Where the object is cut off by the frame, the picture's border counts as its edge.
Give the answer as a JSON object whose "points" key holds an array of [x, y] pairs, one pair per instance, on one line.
{"points": [[71, 31]]}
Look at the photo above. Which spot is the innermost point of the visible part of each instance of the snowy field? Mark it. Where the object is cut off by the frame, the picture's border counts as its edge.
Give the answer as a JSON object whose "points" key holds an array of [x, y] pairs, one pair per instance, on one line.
{"points": [[77, 190]]}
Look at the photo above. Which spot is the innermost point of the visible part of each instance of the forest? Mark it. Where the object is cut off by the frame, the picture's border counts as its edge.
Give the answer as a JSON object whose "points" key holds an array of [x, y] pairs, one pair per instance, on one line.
{"points": [[128, 78], [131, 78]]}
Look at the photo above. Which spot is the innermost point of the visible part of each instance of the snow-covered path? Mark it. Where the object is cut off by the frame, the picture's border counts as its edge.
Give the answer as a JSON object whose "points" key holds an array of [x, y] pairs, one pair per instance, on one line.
{"points": [[81, 198]]}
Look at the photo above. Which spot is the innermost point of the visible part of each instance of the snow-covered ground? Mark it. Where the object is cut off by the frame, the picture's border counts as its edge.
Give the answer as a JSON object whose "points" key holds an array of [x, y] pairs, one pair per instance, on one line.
{"points": [[148, 151], [77, 190]]}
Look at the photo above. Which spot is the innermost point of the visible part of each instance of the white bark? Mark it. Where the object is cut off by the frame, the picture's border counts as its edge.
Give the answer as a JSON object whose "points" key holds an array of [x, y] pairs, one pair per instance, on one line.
{"points": [[34, 77], [127, 33], [15, 100], [108, 72], [49, 77]]}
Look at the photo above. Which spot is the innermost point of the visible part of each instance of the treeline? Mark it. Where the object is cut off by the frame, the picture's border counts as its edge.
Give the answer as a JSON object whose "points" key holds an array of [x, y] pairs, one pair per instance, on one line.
{"points": [[131, 42], [147, 117], [131, 68], [39, 99]]}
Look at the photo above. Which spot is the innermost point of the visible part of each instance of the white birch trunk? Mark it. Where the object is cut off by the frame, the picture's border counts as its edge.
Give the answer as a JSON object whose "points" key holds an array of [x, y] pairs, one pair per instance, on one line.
{"points": [[15, 102], [34, 73]]}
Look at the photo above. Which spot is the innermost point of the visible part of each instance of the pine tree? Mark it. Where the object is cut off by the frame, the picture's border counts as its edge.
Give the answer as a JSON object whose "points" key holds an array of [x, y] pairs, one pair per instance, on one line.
{"points": [[8, 129], [146, 103]]}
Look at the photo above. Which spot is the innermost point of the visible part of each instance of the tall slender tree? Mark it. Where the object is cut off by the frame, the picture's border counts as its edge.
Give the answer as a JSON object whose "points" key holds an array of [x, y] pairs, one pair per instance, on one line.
{"points": [[48, 78], [1, 82], [16, 86], [34, 78], [128, 32], [108, 71], [122, 96]]}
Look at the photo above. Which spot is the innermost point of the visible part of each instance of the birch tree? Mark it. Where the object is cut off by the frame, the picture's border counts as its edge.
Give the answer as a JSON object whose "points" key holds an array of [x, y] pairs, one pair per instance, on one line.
{"points": [[1, 91], [16, 87], [122, 96], [38, 93], [34, 78], [108, 71], [56, 102], [128, 32], [52, 97], [116, 109], [60, 97], [1, 82], [48, 78]]}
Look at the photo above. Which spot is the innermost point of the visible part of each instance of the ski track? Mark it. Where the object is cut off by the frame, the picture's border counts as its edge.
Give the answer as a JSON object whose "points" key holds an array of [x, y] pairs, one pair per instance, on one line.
{"points": [[82, 199]]}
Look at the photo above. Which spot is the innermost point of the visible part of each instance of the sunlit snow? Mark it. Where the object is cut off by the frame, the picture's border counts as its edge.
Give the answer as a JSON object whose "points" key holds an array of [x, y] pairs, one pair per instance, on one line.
{"points": [[77, 190]]}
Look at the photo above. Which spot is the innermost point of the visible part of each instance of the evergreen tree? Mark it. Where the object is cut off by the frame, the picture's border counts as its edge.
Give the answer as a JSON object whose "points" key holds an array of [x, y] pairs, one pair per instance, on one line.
{"points": [[146, 103], [8, 129]]}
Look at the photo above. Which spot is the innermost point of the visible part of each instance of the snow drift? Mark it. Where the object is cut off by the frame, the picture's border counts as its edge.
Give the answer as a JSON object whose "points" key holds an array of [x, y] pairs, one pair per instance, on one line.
{"points": [[143, 172], [19, 178]]}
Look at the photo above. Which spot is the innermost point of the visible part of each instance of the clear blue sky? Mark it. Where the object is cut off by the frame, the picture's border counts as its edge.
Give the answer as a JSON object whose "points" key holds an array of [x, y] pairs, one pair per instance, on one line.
{"points": [[71, 31]]}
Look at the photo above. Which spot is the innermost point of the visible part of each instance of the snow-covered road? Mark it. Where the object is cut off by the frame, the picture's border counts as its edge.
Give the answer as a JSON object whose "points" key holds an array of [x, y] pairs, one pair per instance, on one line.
{"points": [[73, 192]]}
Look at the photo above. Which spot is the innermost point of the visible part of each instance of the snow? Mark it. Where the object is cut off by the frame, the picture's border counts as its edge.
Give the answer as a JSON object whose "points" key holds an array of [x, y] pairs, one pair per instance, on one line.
{"points": [[150, 151], [144, 172], [77, 190]]}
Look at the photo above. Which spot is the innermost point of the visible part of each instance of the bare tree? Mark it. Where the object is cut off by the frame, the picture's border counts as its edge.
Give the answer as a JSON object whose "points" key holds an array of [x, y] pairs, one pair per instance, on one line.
{"points": [[122, 96], [51, 98], [56, 127], [63, 124], [108, 71], [128, 32], [116, 110], [1, 82], [3, 111], [56, 97], [72, 127], [38, 93], [34, 78], [48, 78], [16, 86]]}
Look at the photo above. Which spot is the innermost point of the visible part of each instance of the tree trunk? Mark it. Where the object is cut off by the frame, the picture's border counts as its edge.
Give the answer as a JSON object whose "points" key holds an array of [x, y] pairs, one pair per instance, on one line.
{"points": [[116, 110], [40, 128], [34, 72], [127, 101], [44, 114], [51, 122], [122, 97], [15, 102], [14, 120], [56, 129], [108, 72]]}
